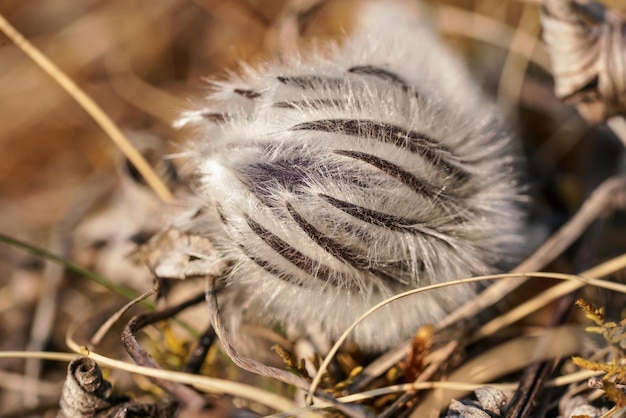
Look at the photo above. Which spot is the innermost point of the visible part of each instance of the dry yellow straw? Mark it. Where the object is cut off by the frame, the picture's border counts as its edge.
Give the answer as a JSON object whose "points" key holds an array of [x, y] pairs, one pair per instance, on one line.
{"points": [[107, 125]]}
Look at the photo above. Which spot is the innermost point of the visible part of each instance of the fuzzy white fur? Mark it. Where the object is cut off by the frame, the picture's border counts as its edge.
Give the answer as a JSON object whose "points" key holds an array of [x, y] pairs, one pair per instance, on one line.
{"points": [[261, 172]]}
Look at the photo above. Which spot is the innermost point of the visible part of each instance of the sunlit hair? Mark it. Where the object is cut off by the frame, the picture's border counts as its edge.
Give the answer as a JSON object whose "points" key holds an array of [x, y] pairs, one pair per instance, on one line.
{"points": [[348, 174]]}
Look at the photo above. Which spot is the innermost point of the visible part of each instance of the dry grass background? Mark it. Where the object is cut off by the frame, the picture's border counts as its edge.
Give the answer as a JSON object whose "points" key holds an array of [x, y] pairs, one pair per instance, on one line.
{"points": [[141, 60]]}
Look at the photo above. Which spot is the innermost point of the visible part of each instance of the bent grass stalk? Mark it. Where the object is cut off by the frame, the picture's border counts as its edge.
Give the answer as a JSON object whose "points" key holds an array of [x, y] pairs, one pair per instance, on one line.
{"points": [[572, 283], [91, 107]]}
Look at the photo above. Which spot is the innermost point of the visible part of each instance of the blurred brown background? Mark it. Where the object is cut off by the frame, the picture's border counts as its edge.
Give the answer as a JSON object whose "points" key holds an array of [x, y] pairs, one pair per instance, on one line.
{"points": [[141, 61]]}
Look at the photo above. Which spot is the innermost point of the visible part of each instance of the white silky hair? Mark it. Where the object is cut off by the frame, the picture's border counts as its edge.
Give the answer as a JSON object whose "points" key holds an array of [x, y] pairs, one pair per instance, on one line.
{"points": [[342, 176]]}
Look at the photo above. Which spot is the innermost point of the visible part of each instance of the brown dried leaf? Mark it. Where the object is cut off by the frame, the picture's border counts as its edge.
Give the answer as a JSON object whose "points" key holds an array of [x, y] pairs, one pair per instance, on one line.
{"points": [[491, 399], [588, 57], [420, 348], [614, 393], [459, 409], [87, 394], [177, 255]]}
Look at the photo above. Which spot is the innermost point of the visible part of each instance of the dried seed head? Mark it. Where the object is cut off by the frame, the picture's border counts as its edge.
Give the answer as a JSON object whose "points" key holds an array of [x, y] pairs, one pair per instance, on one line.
{"points": [[339, 178]]}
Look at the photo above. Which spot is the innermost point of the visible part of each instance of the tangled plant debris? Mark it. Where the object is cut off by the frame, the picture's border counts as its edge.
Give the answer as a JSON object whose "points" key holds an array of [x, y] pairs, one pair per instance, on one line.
{"points": [[66, 191]]}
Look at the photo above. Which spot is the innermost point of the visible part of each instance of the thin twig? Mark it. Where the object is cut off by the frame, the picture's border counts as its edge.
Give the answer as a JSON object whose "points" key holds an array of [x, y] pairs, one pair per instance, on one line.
{"points": [[571, 283], [599, 200], [555, 292], [182, 393], [536, 374], [90, 107], [257, 367], [104, 328], [515, 66], [453, 20], [489, 366], [203, 383]]}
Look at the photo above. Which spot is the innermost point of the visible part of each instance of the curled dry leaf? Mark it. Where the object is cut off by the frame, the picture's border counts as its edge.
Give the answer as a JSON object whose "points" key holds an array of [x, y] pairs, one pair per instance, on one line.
{"points": [[87, 394], [491, 399], [490, 404], [177, 255], [580, 406], [588, 54], [461, 410]]}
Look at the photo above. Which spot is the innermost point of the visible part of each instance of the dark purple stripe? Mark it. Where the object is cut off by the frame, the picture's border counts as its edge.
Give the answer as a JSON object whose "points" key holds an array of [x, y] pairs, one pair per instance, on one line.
{"points": [[248, 94], [395, 171], [415, 142], [337, 250], [328, 244], [294, 256], [220, 213], [381, 73], [215, 117], [373, 217], [310, 81], [273, 270], [383, 220], [310, 104]]}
